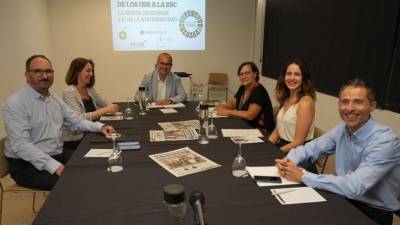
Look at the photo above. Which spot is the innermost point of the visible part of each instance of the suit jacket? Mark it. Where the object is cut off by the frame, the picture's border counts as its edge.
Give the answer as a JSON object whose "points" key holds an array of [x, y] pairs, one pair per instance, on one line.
{"points": [[72, 98], [174, 89]]}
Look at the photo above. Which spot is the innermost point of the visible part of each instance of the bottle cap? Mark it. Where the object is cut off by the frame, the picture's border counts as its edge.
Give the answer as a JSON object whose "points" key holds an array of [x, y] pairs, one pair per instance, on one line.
{"points": [[141, 88], [174, 193]]}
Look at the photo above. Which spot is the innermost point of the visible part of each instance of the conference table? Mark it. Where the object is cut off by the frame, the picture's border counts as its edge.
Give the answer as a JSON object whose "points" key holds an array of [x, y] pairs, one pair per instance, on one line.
{"points": [[86, 194]]}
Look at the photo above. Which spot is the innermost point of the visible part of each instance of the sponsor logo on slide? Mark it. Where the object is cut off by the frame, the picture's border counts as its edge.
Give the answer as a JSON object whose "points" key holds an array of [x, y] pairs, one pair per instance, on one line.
{"points": [[191, 24], [122, 35]]}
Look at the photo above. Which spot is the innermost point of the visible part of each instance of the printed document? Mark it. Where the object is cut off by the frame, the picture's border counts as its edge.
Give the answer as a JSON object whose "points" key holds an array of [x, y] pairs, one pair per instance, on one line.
{"points": [[183, 162]]}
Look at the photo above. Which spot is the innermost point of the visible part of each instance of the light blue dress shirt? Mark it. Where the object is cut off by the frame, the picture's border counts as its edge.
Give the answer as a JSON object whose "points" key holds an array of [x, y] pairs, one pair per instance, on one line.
{"points": [[367, 164], [34, 127]]}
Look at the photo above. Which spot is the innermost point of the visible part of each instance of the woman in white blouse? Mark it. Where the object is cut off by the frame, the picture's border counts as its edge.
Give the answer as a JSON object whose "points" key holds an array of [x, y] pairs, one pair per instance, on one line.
{"points": [[296, 96], [81, 97]]}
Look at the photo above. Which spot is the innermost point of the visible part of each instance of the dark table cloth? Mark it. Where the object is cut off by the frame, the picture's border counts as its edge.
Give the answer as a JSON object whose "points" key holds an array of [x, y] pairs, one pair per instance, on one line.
{"points": [[87, 194]]}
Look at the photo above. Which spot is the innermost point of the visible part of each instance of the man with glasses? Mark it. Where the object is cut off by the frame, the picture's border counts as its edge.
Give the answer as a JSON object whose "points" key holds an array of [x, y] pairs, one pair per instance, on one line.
{"points": [[163, 86], [34, 119], [367, 157]]}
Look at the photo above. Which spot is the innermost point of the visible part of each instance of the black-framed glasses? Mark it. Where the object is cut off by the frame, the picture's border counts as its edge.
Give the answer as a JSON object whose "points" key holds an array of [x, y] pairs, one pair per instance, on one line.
{"points": [[245, 73], [40, 72]]}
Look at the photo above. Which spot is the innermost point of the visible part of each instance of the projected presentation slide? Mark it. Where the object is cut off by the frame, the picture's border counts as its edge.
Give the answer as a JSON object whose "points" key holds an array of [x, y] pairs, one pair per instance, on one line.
{"points": [[140, 25]]}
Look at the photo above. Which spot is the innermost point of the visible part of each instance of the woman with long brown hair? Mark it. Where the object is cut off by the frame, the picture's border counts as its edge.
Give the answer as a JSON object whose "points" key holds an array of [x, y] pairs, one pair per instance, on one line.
{"points": [[295, 94]]}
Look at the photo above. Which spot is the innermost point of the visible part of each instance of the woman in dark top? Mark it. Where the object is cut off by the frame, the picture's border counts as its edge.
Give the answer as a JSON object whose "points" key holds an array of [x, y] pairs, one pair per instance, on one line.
{"points": [[251, 102]]}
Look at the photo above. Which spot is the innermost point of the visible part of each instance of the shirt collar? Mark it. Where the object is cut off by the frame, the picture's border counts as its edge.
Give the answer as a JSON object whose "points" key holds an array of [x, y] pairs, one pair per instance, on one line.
{"points": [[34, 93], [364, 130], [166, 77]]}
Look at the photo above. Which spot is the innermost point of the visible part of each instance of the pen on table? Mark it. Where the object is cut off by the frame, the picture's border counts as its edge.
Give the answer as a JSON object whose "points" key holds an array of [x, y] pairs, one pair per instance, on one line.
{"points": [[282, 192]]}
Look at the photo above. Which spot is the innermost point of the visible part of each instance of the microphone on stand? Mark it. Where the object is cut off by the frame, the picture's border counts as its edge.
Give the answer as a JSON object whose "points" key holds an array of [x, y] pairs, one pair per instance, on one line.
{"points": [[197, 201]]}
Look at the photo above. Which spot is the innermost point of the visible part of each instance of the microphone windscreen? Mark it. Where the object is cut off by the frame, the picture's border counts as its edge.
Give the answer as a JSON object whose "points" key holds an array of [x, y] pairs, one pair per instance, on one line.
{"points": [[196, 195]]}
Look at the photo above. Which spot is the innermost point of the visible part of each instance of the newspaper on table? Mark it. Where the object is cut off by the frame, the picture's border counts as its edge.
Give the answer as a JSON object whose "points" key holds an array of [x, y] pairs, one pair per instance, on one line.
{"points": [[180, 125], [174, 135], [183, 162]]}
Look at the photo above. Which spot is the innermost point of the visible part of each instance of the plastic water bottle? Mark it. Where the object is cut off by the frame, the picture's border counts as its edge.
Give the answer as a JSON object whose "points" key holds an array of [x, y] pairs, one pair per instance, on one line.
{"points": [[203, 118], [174, 199], [142, 100]]}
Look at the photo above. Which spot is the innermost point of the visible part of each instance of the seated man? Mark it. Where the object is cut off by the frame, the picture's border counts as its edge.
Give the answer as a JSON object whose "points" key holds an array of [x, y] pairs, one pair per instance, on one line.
{"points": [[34, 119], [163, 86], [367, 157]]}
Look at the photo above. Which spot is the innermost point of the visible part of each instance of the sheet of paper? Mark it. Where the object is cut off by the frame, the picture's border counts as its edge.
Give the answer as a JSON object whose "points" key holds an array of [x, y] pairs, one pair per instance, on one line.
{"points": [[241, 133], [99, 153], [267, 171], [114, 114], [153, 105], [117, 117], [297, 195], [178, 105], [251, 140], [213, 114], [170, 110]]}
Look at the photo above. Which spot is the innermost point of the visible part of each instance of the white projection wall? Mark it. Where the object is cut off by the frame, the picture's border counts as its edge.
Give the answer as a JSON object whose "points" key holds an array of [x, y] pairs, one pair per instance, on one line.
{"points": [[140, 25]]}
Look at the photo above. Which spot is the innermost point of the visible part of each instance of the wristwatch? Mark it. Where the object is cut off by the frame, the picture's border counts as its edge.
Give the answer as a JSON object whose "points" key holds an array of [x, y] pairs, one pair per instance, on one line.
{"points": [[304, 173]]}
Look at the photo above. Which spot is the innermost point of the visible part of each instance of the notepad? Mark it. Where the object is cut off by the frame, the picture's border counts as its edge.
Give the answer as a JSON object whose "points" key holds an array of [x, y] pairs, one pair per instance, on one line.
{"points": [[267, 171], [169, 110], [241, 133], [297, 195], [116, 117], [98, 153]]}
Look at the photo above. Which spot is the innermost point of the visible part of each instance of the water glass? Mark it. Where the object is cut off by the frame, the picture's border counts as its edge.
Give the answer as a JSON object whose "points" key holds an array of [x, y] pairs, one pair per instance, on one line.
{"points": [[239, 163]]}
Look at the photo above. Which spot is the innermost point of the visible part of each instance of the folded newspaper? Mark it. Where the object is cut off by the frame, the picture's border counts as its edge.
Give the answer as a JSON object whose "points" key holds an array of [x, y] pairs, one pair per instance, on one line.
{"points": [[184, 161], [180, 125], [174, 135]]}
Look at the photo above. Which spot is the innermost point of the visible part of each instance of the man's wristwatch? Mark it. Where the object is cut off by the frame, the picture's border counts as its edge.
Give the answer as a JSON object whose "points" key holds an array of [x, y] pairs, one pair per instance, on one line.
{"points": [[304, 173]]}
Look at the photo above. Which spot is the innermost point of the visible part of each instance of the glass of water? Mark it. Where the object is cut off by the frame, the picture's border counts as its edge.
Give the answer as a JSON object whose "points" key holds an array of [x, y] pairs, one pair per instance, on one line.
{"points": [[239, 163], [212, 129], [115, 159], [128, 112]]}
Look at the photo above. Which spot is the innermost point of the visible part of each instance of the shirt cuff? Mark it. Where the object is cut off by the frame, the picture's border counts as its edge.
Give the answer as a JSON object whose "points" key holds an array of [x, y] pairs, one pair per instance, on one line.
{"points": [[52, 165], [309, 179], [99, 125]]}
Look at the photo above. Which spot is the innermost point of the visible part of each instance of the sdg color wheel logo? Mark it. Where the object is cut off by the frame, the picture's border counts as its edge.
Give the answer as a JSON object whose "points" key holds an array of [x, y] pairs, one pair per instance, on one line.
{"points": [[191, 24]]}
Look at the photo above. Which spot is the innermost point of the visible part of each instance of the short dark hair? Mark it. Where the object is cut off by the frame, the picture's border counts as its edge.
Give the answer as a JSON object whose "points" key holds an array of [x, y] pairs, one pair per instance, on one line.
{"points": [[253, 67], [359, 83], [282, 93], [30, 59], [75, 68]]}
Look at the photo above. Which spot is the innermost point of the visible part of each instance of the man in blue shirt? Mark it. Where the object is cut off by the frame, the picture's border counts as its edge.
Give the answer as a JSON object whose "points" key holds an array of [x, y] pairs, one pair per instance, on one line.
{"points": [[367, 157], [163, 86], [34, 119]]}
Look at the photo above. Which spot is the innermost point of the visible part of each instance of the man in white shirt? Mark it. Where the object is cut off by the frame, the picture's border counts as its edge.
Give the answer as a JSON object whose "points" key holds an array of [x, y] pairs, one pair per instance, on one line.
{"points": [[163, 86]]}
